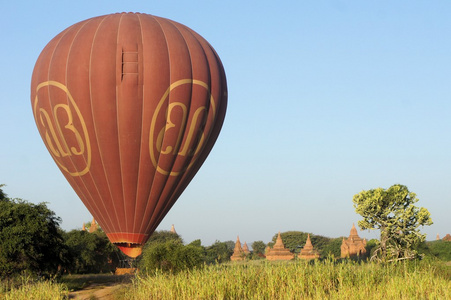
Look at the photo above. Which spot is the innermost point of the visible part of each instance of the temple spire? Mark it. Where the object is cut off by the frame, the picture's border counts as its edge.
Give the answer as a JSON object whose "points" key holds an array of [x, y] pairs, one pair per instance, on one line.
{"points": [[173, 229]]}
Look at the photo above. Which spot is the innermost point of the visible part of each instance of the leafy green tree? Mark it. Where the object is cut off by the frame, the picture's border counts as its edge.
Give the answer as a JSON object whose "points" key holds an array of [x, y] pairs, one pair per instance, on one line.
{"points": [[171, 256], [90, 252], [219, 252], [392, 211], [3, 196], [30, 238], [332, 247], [439, 249], [162, 236], [258, 247]]}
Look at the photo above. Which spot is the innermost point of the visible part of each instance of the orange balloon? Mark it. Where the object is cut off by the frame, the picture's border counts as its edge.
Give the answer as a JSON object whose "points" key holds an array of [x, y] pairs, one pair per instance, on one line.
{"points": [[129, 106]]}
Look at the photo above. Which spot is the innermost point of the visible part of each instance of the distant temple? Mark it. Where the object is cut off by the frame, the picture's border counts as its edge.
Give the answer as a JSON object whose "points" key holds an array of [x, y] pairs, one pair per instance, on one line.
{"points": [[93, 226], [173, 229], [238, 253], [246, 249], [308, 252], [438, 237], [354, 245], [278, 251], [447, 237]]}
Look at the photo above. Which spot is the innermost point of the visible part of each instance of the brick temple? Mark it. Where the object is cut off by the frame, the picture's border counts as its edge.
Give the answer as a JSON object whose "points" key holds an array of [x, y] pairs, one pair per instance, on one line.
{"points": [[308, 252], [353, 245], [278, 251], [246, 249], [238, 252]]}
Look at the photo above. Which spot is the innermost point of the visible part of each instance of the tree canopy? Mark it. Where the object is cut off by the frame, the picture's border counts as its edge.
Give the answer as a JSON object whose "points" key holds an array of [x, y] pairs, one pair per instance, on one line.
{"points": [[392, 211], [30, 238]]}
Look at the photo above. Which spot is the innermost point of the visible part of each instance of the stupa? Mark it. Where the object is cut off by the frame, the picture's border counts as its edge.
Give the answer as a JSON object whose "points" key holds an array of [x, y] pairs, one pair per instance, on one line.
{"points": [[447, 237], [354, 245], [308, 252], [173, 229], [238, 253], [93, 226], [246, 249], [278, 251]]}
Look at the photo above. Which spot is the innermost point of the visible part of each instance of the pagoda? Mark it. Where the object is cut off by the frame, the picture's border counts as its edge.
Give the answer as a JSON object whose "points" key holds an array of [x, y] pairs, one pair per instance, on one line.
{"points": [[354, 245], [93, 226], [278, 251], [238, 253], [308, 252], [173, 229], [447, 237], [246, 249]]}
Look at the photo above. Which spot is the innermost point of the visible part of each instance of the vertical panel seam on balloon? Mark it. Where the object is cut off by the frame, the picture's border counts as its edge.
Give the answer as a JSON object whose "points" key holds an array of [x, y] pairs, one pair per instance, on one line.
{"points": [[95, 130], [118, 125], [156, 172], [142, 117], [160, 214], [48, 73], [168, 205], [88, 204]]}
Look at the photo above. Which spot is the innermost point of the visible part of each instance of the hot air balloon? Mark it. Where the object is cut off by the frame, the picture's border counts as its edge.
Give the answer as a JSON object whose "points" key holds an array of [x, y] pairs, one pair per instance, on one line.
{"points": [[129, 106]]}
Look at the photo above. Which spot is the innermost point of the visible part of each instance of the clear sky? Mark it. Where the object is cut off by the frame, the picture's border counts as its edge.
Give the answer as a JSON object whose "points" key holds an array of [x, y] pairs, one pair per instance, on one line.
{"points": [[326, 99]]}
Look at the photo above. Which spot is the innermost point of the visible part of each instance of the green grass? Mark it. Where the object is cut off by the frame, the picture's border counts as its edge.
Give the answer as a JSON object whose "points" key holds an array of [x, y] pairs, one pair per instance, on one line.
{"points": [[28, 289], [325, 279], [297, 280]]}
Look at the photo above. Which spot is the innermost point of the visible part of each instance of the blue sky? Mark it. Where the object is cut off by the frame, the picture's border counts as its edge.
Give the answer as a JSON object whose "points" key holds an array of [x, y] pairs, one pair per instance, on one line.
{"points": [[326, 99]]}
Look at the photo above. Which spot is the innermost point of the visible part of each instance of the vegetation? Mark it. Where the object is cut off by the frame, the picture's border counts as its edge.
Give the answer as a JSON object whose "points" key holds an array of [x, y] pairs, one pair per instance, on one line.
{"points": [[31, 289], [90, 252], [31, 244], [392, 212], [437, 249], [30, 238], [297, 280], [171, 256]]}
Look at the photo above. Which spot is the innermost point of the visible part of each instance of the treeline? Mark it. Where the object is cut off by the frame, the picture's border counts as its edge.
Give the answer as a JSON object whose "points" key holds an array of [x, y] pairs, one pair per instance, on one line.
{"points": [[31, 240]]}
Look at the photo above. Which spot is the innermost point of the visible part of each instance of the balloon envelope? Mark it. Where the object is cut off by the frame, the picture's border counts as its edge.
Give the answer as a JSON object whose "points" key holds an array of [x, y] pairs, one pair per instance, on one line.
{"points": [[129, 106]]}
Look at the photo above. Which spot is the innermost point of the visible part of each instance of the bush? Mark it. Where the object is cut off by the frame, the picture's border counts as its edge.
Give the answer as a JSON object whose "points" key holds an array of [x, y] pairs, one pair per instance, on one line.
{"points": [[171, 256], [90, 252], [30, 238]]}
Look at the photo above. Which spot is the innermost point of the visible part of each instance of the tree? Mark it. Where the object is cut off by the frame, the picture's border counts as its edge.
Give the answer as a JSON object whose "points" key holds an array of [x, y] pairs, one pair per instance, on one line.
{"points": [[219, 252], [90, 252], [392, 211], [30, 238], [162, 236], [258, 249], [172, 256], [3, 196]]}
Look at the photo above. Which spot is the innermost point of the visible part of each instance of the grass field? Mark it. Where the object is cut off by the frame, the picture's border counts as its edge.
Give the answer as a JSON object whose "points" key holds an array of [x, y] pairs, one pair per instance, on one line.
{"points": [[325, 279]]}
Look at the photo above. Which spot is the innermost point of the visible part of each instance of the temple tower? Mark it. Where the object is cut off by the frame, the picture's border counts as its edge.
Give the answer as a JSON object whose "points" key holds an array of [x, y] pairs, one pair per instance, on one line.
{"points": [[173, 229], [354, 245], [308, 252], [238, 253], [246, 249], [278, 251], [93, 226]]}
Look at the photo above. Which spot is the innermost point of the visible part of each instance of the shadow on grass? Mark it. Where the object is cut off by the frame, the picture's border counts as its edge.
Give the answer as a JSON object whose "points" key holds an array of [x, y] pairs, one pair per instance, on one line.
{"points": [[82, 281]]}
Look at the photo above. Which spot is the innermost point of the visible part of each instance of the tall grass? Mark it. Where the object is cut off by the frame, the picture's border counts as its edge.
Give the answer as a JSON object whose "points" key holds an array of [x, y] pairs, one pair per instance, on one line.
{"points": [[271, 280], [28, 289], [296, 280]]}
